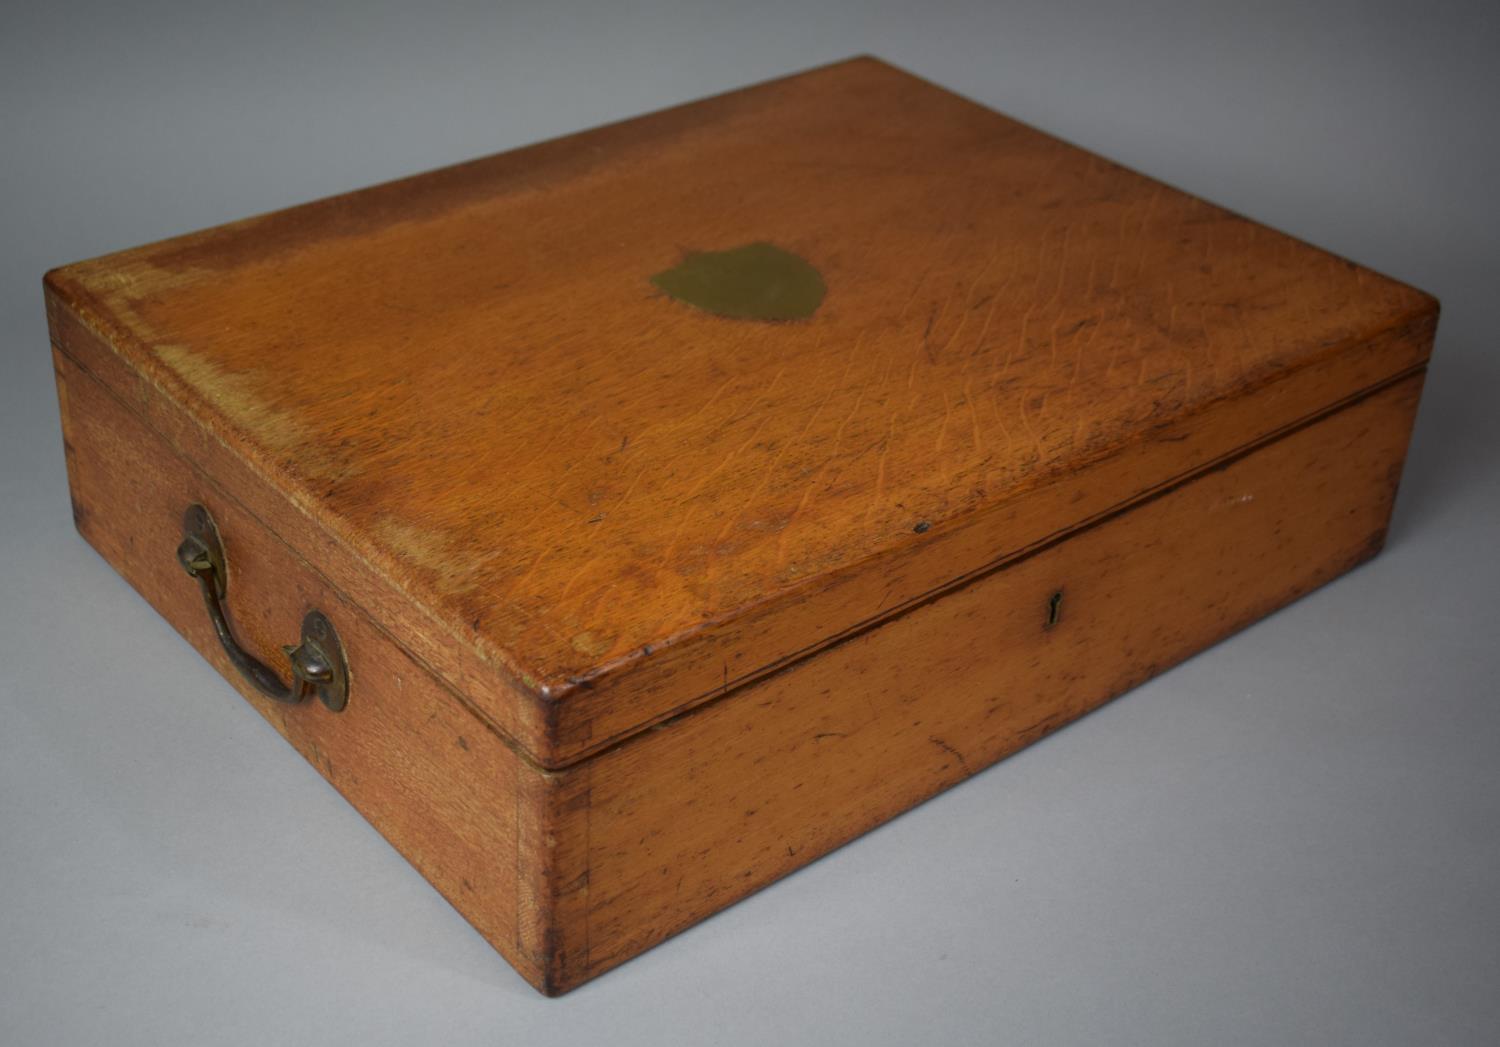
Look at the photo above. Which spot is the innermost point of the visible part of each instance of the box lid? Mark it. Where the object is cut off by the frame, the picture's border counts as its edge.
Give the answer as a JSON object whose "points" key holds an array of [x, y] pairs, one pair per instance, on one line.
{"points": [[603, 427]]}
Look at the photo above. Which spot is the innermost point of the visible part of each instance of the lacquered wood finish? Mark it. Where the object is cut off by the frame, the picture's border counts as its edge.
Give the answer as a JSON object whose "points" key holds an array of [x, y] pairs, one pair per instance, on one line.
{"points": [[587, 506]]}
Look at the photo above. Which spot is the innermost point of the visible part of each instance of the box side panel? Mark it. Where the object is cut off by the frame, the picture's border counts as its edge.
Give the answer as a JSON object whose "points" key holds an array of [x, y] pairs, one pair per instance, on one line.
{"points": [[689, 818], [447, 792]]}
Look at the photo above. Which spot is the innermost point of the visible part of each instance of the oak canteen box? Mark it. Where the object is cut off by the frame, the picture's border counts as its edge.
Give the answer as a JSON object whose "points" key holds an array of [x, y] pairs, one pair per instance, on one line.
{"points": [[622, 522]]}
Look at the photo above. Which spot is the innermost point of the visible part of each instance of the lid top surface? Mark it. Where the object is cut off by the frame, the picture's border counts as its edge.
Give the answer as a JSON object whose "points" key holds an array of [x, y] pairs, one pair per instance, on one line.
{"points": [[585, 398]]}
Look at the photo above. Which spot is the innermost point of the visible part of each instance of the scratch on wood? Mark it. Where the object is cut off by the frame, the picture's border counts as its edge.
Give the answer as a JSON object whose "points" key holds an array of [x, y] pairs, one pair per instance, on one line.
{"points": [[935, 740]]}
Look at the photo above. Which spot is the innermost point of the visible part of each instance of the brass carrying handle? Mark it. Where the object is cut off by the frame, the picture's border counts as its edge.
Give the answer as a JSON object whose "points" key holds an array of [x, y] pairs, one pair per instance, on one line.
{"points": [[317, 663]]}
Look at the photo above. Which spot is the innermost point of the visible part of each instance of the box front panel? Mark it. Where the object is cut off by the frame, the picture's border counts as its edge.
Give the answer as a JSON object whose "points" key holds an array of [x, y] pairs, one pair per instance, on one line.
{"points": [[687, 818]]}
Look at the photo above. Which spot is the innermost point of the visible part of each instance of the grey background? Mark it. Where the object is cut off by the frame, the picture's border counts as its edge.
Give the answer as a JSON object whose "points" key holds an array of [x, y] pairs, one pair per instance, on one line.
{"points": [[1293, 838]]}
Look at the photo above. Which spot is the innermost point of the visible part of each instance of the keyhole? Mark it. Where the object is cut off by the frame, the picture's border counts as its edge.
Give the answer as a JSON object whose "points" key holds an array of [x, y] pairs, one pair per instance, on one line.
{"points": [[1054, 609]]}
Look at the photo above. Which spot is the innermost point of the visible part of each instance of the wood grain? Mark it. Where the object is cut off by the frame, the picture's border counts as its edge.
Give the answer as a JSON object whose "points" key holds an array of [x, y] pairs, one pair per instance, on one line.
{"points": [[568, 873], [588, 507], [647, 606], [448, 793], [687, 819]]}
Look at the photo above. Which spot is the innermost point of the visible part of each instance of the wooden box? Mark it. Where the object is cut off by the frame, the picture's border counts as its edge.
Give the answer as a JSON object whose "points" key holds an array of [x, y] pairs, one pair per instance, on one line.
{"points": [[682, 498]]}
